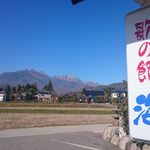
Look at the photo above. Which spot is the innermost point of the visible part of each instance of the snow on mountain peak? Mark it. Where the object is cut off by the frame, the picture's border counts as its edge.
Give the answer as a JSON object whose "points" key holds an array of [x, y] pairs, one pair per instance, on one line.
{"points": [[68, 78]]}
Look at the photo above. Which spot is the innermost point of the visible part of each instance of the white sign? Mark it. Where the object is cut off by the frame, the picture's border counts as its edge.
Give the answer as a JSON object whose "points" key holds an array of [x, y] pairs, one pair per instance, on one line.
{"points": [[138, 67]]}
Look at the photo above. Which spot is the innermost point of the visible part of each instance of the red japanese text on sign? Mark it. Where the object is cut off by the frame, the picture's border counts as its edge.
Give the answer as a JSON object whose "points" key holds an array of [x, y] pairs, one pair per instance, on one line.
{"points": [[142, 30], [143, 67]]}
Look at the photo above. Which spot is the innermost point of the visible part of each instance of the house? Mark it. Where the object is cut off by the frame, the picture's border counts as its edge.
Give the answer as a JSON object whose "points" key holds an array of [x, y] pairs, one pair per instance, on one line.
{"points": [[89, 96], [2, 96], [143, 3], [93, 93], [73, 94], [44, 96], [119, 94], [114, 94]]}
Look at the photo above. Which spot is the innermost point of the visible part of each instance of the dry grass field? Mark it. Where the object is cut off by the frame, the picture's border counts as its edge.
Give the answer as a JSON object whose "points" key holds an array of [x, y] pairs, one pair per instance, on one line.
{"points": [[18, 115], [16, 120]]}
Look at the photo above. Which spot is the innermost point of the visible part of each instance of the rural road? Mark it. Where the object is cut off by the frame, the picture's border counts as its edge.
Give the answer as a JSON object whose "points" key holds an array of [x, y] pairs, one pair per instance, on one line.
{"points": [[81, 137]]}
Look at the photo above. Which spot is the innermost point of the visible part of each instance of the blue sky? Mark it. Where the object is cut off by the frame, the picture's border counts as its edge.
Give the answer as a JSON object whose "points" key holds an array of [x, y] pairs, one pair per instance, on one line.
{"points": [[53, 36]]}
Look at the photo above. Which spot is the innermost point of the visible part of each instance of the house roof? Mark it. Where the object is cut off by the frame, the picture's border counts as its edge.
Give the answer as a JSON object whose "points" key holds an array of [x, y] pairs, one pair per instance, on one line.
{"points": [[143, 3], [2, 92], [119, 91], [94, 93]]}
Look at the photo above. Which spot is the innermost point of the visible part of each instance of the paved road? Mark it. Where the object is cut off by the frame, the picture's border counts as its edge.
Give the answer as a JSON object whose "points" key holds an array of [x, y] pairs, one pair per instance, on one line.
{"points": [[55, 138]]}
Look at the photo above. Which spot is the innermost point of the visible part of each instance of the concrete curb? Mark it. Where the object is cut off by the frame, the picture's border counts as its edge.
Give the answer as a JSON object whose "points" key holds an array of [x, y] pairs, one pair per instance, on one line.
{"points": [[124, 143]]}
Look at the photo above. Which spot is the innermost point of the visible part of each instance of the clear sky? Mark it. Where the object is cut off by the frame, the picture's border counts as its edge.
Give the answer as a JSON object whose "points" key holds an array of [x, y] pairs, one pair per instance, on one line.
{"points": [[86, 40]]}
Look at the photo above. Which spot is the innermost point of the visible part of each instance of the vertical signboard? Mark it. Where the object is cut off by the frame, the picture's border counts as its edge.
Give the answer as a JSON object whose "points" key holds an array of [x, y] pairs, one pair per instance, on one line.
{"points": [[138, 68]]}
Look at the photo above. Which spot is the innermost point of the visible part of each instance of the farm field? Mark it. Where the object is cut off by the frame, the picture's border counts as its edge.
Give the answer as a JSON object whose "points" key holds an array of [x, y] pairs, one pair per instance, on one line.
{"points": [[25, 115]]}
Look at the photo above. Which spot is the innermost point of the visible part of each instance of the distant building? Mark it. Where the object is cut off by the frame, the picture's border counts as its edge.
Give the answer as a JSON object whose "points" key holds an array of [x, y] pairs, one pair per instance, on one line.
{"points": [[44, 96], [89, 96], [93, 93], [2, 96], [114, 94], [119, 94], [73, 94]]}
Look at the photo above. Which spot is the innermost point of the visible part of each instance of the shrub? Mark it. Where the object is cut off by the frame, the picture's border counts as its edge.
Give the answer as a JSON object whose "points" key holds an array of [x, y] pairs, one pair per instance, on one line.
{"points": [[63, 99], [123, 113]]}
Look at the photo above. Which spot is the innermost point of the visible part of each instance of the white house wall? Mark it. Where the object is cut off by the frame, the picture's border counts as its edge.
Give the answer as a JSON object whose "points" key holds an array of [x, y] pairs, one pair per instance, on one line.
{"points": [[1, 98]]}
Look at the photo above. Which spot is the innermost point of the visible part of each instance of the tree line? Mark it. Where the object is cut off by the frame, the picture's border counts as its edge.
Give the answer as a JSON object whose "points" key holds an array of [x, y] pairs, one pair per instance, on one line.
{"points": [[25, 92]]}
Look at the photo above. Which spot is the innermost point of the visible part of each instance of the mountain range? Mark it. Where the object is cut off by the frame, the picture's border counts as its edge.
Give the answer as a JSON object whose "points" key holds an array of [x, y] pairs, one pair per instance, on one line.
{"points": [[61, 84]]}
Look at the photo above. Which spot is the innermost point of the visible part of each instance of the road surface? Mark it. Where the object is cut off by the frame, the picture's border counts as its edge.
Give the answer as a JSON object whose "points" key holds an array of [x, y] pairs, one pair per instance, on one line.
{"points": [[87, 137]]}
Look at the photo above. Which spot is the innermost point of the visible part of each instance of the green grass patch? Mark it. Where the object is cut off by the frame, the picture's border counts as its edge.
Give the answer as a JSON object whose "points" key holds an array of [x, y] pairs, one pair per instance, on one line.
{"points": [[57, 111]]}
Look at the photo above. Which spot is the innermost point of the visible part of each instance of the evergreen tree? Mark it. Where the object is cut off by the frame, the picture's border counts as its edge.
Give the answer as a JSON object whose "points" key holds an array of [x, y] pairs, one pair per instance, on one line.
{"points": [[1, 89], [13, 93], [107, 94], [49, 87], [83, 91], [34, 86], [18, 88], [30, 90], [8, 92], [27, 87], [18, 92], [13, 90], [125, 83]]}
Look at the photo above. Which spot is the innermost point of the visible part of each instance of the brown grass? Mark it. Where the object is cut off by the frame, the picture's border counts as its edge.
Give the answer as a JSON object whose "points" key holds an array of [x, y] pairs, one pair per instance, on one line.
{"points": [[24, 120], [26, 115]]}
